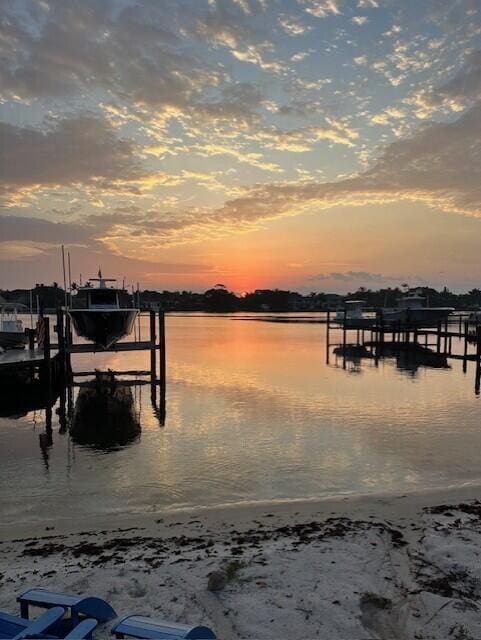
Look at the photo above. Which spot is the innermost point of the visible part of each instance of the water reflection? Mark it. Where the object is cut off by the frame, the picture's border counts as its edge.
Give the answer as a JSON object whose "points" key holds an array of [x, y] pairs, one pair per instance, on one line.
{"points": [[254, 414], [408, 358], [105, 416]]}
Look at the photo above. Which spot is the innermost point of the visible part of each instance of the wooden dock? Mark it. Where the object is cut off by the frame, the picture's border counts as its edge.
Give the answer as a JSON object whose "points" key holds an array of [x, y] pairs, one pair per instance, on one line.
{"points": [[376, 340], [45, 369]]}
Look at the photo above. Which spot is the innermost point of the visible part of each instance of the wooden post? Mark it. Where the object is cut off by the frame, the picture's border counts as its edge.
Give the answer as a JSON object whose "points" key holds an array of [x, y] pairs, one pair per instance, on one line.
{"points": [[162, 358], [344, 339], [465, 354], [61, 337], [46, 352], [381, 329], [478, 360], [438, 341], [68, 341], [328, 334], [31, 339], [152, 348], [62, 411]]}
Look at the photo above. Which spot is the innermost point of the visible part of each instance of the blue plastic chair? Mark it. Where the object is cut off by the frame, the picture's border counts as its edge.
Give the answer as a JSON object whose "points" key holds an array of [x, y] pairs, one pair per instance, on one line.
{"points": [[16, 628], [152, 629], [45, 626], [83, 631], [88, 606]]}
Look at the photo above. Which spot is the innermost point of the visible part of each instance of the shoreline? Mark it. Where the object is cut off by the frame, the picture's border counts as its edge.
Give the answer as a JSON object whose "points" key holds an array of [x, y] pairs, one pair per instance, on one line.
{"points": [[377, 566], [388, 504]]}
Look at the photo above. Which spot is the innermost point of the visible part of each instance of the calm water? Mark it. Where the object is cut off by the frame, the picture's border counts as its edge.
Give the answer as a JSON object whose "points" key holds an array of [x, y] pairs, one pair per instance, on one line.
{"points": [[253, 413]]}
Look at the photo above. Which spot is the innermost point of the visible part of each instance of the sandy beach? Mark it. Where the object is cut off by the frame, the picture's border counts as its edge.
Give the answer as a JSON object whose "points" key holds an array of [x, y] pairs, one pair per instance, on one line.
{"points": [[346, 568]]}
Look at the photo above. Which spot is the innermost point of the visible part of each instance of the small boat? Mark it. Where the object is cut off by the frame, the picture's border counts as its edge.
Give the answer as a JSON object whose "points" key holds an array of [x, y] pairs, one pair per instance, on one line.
{"points": [[412, 311], [353, 316], [101, 318], [12, 333]]}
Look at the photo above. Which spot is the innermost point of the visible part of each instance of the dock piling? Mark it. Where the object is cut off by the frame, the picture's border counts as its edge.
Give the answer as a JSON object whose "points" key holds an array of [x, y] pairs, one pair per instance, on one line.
{"points": [[153, 339]]}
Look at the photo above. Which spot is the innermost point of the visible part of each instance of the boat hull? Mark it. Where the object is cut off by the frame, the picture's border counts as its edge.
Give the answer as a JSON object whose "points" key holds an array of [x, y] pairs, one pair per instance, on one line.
{"points": [[103, 327], [356, 323], [13, 339], [425, 317]]}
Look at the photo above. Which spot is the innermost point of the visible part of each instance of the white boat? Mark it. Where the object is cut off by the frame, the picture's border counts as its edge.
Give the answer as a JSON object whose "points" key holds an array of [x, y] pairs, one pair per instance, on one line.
{"points": [[12, 332], [412, 310], [353, 316], [98, 315]]}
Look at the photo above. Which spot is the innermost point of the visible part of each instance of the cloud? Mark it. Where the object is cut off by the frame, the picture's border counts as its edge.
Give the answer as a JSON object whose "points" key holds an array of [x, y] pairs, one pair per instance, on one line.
{"points": [[459, 91], [321, 8], [35, 244], [128, 52], [360, 20], [365, 277], [81, 149], [244, 39], [299, 140], [25, 229], [439, 165], [386, 116], [237, 103], [292, 26], [76, 46]]}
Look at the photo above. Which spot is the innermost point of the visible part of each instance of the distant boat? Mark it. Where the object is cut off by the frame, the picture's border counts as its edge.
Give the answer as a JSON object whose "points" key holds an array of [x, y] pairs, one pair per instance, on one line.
{"points": [[411, 310], [353, 316], [101, 319], [12, 333]]}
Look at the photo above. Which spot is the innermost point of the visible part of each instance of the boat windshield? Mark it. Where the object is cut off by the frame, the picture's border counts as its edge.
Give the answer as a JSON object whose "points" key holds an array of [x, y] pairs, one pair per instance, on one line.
{"points": [[103, 298]]}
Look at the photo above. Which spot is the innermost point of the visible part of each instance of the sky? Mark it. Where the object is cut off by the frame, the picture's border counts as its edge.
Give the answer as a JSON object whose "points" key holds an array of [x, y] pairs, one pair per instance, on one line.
{"points": [[315, 145]]}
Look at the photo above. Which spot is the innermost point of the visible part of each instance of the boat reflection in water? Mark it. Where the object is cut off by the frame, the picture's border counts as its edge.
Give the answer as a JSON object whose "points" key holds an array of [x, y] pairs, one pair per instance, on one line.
{"points": [[409, 357], [105, 415]]}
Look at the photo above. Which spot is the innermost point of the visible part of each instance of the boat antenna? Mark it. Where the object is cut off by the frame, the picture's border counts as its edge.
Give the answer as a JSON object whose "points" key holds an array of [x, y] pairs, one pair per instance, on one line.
{"points": [[80, 279], [64, 275]]}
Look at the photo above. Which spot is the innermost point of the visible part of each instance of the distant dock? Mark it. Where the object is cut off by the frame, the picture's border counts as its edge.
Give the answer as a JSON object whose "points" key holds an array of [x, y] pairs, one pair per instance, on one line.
{"points": [[375, 339]]}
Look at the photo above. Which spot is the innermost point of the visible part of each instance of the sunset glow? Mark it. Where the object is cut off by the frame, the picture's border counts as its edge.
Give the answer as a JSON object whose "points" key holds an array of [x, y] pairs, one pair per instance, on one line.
{"points": [[303, 144]]}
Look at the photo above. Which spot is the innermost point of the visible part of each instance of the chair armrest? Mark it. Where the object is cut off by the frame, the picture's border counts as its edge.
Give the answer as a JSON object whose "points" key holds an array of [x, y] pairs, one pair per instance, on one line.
{"points": [[41, 624], [82, 630]]}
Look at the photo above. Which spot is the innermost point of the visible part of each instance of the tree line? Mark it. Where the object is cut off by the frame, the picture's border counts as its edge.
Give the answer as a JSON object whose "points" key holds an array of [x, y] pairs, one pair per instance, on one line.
{"points": [[220, 299]]}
